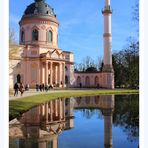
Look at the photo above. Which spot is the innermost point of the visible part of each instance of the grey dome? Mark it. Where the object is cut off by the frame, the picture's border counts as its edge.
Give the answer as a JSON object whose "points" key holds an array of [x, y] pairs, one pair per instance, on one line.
{"points": [[39, 7]]}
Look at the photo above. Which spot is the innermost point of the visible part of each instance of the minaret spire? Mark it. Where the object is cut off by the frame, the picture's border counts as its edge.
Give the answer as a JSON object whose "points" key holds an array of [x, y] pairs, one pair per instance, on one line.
{"points": [[107, 12], [108, 68]]}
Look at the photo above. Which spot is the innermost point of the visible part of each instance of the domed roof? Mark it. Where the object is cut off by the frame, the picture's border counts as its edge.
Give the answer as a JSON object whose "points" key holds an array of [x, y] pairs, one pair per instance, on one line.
{"points": [[39, 7]]}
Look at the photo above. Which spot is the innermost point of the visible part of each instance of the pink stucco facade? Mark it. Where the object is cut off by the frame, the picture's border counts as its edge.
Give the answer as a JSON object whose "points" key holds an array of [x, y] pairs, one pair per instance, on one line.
{"points": [[94, 80], [42, 61]]}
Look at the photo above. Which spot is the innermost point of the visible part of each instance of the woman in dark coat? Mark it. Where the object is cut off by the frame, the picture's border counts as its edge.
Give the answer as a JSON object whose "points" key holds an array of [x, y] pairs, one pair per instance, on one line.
{"points": [[16, 88]]}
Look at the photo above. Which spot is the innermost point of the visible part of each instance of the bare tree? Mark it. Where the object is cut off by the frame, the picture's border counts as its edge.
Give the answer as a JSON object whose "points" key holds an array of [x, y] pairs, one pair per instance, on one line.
{"points": [[136, 11], [89, 63], [12, 36]]}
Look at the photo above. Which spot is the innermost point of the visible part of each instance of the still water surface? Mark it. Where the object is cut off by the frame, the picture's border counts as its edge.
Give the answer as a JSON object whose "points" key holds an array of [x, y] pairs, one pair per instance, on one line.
{"points": [[84, 122]]}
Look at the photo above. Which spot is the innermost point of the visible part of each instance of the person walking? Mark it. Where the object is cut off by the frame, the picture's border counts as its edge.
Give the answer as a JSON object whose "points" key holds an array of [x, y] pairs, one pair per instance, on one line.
{"points": [[40, 87], [37, 87], [22, 88], [43, 87], [46, 87], [27, 87], [16, 87]]}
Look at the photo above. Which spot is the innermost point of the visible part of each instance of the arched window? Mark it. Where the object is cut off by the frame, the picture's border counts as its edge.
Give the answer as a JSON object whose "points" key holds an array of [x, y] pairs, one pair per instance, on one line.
{"points": [[66, 101], [18, 65], [22, 36], [49, 36], [78, 80], [35, 35], [18, 78], [66, 80], [87, 81], [96, 80], [66, 68]]}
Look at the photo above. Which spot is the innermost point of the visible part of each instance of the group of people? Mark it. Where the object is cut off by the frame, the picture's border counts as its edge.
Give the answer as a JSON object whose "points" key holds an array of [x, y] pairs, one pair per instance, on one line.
{"points": [[18, 87], [43, 87], [39, 87]]}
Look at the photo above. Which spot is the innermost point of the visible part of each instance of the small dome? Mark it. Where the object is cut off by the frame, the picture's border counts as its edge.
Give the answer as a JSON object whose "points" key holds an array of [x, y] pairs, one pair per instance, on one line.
{"points": [[39, 7]]}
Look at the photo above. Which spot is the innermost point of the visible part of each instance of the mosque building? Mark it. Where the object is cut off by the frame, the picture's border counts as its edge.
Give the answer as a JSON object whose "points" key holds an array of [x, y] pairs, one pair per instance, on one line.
{"points": [[41, 61]]}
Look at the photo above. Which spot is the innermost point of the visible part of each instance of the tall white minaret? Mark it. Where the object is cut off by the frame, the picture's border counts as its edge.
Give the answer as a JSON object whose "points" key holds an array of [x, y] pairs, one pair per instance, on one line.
{"points": [[108, 72], [107, 12]]}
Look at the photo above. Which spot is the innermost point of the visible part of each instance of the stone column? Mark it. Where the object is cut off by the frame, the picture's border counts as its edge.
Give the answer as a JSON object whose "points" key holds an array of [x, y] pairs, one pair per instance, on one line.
{"points": [[59, 109], [60, 74], [43, 74], [39, 73], [46, 73], [51, 73], [51, 111], [56, 74], [63, 74], [56, 107], [46, 112], [55, 142]]}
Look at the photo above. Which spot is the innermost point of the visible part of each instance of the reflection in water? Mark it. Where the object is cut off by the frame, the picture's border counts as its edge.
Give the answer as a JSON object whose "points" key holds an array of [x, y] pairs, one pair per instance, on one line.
{"points": [[41, 126], [126, 116]]}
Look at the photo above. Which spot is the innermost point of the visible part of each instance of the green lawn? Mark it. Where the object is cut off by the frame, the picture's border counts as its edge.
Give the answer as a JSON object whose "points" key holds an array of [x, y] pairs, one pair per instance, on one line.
{"points": [[17, 107]]}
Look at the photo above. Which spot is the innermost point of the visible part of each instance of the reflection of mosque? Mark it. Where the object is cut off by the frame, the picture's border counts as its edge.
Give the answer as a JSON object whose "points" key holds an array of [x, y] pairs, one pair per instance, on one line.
{"points": [[40, 126]]}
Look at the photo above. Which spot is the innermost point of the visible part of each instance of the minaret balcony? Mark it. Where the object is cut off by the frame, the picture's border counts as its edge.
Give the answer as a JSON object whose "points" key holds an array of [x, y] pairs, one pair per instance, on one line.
{"points": [[107, 10]]}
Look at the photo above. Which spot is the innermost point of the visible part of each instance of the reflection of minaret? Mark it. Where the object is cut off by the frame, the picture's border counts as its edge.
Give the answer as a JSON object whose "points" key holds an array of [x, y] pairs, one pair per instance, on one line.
{"points": [[107, 128], [108, 73], [108, 112]]}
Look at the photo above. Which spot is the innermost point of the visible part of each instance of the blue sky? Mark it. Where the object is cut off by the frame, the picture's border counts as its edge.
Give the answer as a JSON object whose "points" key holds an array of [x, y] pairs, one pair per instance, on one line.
{"points": [[81, 24]]}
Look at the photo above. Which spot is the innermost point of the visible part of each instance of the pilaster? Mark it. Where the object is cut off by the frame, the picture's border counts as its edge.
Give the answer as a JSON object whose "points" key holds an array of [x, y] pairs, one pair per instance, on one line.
{"points": [[46, 112]]}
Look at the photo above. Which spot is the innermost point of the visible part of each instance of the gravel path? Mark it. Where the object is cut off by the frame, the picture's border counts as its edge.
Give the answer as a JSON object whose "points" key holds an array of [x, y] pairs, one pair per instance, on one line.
{"points": [[33, 92]]}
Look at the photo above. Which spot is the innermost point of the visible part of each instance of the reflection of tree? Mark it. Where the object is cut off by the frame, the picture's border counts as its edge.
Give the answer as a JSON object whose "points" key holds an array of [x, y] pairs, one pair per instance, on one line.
{"points": [[126, 115]]}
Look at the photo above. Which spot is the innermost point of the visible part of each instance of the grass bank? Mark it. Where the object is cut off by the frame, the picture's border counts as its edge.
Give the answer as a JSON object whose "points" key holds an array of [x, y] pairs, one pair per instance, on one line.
{"points": [[17, 107]]}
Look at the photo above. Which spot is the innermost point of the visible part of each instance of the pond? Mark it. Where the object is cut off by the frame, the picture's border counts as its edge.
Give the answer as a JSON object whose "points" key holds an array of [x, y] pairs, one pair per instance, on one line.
{"points": [[83, 122]]}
